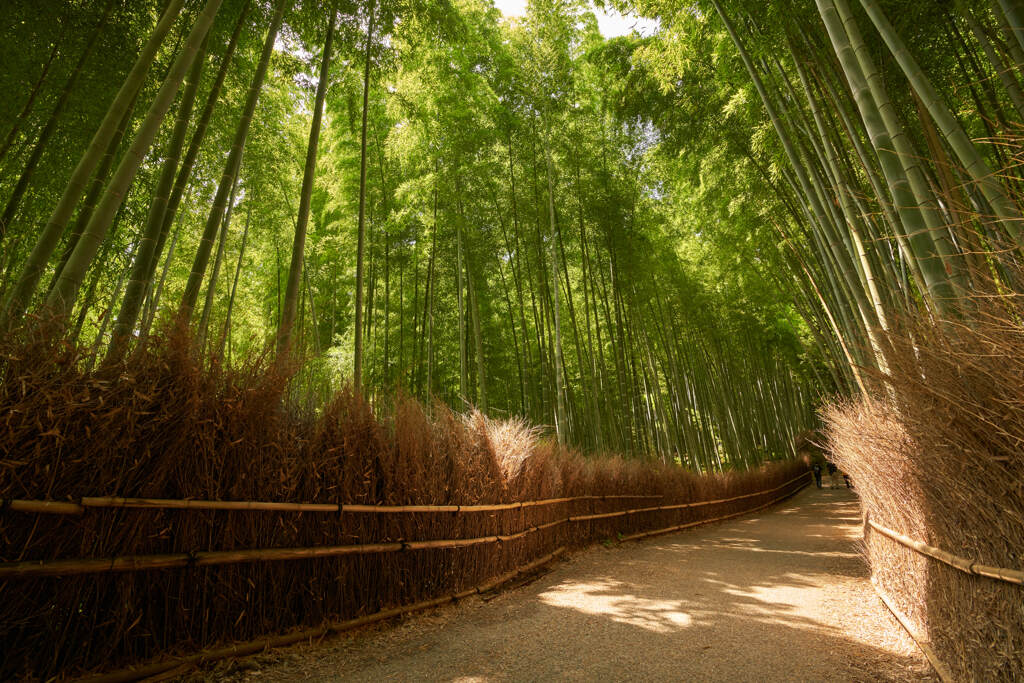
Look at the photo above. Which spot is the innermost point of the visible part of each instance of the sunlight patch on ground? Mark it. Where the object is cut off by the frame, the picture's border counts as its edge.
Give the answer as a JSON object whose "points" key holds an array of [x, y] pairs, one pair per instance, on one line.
{"points": [[608, 599]]}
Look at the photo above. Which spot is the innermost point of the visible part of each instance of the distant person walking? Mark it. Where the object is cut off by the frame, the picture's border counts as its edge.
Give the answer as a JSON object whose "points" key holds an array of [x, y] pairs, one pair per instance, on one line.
{"points": [[833, 478], [816, 468]]}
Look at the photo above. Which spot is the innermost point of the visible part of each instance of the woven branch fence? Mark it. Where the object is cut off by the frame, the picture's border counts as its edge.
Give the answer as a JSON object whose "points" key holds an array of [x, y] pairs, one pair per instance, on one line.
{"points": [[963, 564], [1014, 576], [162, 507], [407, 559], [40, 568]]}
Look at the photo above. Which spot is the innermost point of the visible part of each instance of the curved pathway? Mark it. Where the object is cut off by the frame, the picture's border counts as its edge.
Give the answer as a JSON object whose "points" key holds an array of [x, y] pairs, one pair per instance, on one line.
{"points": [[780, 596]]}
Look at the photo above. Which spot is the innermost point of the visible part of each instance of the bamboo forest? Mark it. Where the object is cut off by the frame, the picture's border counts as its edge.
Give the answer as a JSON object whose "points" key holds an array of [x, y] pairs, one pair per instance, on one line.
{"points": [[319, 313]]}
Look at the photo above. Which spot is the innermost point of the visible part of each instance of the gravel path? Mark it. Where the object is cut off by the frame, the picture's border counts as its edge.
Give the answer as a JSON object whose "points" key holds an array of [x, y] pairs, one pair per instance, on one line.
{"points": [[781, 596]]}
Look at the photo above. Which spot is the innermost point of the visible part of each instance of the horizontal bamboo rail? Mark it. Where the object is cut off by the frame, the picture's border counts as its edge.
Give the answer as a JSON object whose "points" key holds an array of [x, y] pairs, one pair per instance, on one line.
{"points": [[72, 508], [48, 568], [680, 527], [679, 506], [944, 674], [129, 563], [259, 645], [963, 564], [262, 644]]}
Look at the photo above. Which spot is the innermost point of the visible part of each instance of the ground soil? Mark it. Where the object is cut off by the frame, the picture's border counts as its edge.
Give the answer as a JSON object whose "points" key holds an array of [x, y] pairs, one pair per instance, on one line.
{"points": [[779, 596]]}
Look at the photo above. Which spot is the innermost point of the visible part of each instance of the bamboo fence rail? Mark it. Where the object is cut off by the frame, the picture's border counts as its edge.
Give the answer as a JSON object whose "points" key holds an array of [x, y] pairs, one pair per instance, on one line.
{"points": [[261, 644], [679, 527], [35, 569], [107, 502], [963, 564], [44, 568], [73, 508], [680, 506], [940, 669]]}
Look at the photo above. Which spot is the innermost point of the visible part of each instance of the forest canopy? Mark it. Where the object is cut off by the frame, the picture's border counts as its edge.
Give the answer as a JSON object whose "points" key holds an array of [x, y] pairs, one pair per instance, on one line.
{"points": [[669, 245]]}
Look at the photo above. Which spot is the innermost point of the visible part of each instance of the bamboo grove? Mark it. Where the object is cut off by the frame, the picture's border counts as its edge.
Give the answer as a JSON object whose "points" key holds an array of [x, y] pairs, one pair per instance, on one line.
{"points": [[409, 196], [408, 252], [888, 134], [667, 245]]}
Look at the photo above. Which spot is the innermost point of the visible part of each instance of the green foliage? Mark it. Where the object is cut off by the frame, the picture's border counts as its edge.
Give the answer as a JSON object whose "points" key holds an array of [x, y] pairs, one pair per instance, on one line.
{"points": [[678, 336]]}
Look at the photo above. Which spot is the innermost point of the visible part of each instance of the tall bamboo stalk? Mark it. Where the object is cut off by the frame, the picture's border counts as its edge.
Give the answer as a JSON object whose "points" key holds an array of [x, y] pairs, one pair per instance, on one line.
{"points": [[20, 296], [231, 165], [299, 244]]}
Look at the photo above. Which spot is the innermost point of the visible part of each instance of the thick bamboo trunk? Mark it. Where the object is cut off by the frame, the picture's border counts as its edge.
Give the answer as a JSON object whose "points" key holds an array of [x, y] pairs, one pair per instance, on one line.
{"points": [[138, 282], [181, 182], [231, 165], [92, 197], [357, 368], [20, 297], [913, 221], [561, 427], [1005, 209], [70, 279], [284, 333], [478, 344]]}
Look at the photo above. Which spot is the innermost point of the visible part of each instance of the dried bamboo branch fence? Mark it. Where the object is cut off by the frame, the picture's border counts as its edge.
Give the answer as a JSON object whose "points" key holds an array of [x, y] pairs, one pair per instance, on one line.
{"points": [[261, 644], [929, 652], [205, 465], [552, 522], [963, 564], [16, 570], [936, 455]]}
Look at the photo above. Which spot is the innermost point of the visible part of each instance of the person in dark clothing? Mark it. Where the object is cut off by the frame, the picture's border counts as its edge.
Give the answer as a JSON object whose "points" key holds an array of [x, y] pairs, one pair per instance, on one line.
{"points": [[846, 478], [833, 480], [816, 468]]}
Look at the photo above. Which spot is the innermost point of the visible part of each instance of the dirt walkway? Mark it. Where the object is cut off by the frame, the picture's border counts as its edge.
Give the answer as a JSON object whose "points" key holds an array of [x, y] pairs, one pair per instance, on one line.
{"points": [[781, 596]]}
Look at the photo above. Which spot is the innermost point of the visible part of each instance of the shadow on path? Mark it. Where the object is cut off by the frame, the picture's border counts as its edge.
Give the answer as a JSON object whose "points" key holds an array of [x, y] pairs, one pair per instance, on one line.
{"points": [[783, 596]]}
